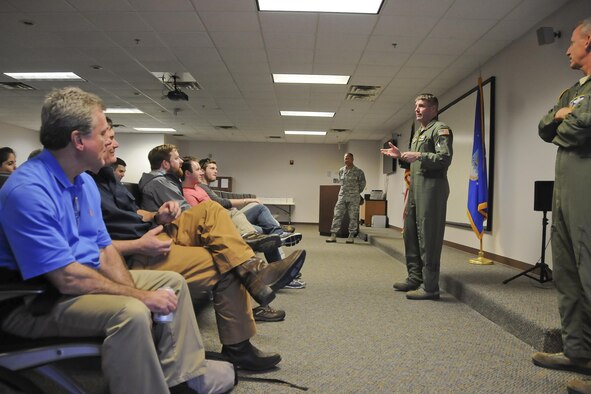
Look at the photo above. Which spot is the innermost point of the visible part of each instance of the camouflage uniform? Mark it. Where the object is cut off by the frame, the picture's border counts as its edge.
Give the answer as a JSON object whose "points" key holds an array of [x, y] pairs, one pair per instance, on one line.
{"points": [[352, 184], [424, 223], [571, 215]]}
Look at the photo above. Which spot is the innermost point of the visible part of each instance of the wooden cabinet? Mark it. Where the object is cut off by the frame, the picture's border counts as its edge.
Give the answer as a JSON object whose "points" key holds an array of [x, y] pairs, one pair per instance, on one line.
{"points": [[328, 199], [373, 207]]}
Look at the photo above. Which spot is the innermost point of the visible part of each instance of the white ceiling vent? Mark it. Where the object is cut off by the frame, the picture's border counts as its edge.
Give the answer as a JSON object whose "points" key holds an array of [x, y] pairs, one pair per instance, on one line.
{"points": [[183, 80], [363, 93]]}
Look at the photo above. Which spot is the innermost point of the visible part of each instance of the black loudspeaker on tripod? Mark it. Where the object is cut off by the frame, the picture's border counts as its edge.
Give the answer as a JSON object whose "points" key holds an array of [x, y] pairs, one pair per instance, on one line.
{"points": [[543, 203]]}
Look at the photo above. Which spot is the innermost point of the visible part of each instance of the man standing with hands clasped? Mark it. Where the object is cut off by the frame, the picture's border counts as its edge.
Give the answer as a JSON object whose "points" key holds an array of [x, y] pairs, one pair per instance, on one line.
{"points": [[352, 180], [568, 125], [424, 223]]}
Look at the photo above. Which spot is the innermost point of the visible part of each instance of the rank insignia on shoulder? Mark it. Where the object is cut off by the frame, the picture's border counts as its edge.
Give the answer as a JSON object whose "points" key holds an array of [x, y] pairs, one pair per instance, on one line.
{"points": [[443, 132], [576, 100]]}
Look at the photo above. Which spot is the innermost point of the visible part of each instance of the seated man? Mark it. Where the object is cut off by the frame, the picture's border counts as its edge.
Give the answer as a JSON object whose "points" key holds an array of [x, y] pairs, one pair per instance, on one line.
{"points": [[51, 231], [163, 184], [192, 176], [120, 166], [256, 213], [7, 160], [203, 245]]}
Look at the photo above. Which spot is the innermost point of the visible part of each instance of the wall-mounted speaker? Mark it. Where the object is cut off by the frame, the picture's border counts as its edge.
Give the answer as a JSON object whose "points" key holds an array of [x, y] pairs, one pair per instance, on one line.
{"points": [[543, 195], [546, 35]]}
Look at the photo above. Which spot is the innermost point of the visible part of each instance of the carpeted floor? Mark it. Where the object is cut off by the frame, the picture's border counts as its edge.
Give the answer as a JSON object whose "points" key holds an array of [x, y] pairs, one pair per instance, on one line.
{"points": [[349, 332]]}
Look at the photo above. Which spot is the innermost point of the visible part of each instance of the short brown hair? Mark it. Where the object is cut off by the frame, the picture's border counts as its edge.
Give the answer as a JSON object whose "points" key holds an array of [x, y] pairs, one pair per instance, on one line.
{"points": [[160, 153], [430, 98]]}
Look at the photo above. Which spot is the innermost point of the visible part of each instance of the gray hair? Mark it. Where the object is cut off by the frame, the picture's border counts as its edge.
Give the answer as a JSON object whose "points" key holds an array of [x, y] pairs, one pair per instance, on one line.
{"points": [[585, 25], [65, 110]]}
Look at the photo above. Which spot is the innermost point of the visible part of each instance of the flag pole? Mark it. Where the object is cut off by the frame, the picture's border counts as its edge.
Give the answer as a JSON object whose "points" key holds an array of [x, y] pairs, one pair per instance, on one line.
{"points": [[478, 185], [480, 260]]}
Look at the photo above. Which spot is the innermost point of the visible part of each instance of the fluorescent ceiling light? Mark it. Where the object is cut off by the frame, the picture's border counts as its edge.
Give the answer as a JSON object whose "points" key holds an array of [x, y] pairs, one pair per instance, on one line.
{"points": [[123, 111], [309, 78], [295, 132], [348, 6], [45, 76], [155, 129], [307, 113]]}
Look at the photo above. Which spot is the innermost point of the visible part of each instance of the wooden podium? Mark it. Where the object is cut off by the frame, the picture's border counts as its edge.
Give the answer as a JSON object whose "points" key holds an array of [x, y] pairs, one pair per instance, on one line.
{"points": [[328, 198]]}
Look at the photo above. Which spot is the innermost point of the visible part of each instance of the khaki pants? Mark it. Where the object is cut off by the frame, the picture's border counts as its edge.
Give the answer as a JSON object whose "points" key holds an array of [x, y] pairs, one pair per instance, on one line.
{"points": [[205, 247], [240, 221], [137, 355]]}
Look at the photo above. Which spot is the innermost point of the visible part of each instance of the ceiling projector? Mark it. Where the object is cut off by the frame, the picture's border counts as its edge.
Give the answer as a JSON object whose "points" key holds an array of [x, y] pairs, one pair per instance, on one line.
{"points": [[177, 95]]}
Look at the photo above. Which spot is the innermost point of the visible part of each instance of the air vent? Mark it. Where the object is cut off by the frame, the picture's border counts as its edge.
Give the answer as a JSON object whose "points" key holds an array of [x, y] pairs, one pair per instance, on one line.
{"points": [[363, 93], [178, 135], [340, 130], [225, 127], [183, 80], [16, 86], [274, 137]]}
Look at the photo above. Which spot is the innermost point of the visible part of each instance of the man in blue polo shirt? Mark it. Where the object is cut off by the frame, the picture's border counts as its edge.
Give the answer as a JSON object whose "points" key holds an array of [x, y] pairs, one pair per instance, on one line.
{"points": [[51, 229]]}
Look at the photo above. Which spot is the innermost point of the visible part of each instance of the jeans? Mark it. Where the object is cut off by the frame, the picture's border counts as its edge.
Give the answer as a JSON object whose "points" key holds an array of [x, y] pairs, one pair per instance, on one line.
{"points": [[259, 215]]}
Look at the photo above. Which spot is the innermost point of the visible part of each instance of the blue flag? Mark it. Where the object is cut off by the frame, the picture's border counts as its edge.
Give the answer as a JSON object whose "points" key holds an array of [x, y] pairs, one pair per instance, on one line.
{"points": [[478, 185]]}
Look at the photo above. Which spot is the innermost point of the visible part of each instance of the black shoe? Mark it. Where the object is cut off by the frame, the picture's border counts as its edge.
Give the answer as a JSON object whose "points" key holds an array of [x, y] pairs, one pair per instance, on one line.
{"points": [[404, 286], [245, 356], [262, 242], [291, 239], [267, 314]]}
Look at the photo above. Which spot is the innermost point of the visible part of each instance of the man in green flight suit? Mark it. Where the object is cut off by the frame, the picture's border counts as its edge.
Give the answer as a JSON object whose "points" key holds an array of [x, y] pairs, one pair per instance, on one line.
{"points": [[568, 125], [424, 224]]}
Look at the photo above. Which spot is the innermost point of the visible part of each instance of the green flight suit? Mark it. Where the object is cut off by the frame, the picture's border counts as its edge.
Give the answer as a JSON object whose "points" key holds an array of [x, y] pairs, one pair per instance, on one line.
{"points": [[424, 223], [571, 215]]}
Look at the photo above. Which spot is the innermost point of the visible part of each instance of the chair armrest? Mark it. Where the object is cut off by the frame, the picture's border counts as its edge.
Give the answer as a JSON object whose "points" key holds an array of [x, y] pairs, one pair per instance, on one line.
{"points": [[9, 291]]}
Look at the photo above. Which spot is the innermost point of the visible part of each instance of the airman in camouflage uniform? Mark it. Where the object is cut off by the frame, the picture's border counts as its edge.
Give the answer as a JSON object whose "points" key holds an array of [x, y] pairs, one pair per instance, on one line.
{"points": [[352, 180], [424, 224], [568, 125]]}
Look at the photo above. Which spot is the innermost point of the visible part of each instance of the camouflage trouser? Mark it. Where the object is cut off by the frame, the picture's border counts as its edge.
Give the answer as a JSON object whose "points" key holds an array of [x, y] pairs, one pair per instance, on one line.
{"points": [[349, 205]]}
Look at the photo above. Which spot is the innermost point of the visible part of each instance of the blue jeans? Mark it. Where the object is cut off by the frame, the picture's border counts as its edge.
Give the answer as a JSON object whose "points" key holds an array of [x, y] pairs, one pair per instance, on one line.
{"points": [[259, 215]]}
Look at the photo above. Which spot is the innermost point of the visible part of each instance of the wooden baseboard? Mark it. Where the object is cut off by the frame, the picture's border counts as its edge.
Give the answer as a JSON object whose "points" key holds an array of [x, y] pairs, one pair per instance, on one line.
{"points": [[520, 265]]}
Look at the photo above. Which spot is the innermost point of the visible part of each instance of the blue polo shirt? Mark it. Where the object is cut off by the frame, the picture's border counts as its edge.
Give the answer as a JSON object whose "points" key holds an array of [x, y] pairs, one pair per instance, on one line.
{"points": [[46, 222]]}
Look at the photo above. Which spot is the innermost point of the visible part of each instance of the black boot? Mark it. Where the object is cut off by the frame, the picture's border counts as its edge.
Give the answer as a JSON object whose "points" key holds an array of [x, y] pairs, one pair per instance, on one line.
{"points": [[245, 356], [262, 242]]}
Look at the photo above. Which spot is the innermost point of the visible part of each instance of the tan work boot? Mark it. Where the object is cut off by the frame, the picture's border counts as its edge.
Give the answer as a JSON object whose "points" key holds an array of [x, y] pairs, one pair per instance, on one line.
{"points": [[351, 239], [332, 239], [579, 386], [421, 294], [560, 361]]}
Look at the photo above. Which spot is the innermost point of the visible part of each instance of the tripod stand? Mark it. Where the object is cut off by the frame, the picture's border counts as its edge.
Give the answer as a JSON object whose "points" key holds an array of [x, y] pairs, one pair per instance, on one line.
{"points": [[545, 274]]}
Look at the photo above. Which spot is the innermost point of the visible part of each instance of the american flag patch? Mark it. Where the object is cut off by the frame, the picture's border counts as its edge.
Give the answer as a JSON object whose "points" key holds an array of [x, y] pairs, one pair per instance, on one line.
{"points": [[443, 132]]}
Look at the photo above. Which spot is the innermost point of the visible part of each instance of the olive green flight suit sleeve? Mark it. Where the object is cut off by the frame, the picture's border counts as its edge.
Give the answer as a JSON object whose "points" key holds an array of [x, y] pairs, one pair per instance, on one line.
{"points": [[440, 159], [575, 130]]}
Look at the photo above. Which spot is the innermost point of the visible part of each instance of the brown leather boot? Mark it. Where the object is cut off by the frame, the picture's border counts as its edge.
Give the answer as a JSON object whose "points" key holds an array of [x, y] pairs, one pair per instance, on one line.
{"points": [[257, 275], [248, 274]]}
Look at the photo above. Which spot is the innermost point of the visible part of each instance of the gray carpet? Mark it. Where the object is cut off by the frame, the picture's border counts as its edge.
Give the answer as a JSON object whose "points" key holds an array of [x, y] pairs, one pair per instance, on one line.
{"points": [[349, 332]]}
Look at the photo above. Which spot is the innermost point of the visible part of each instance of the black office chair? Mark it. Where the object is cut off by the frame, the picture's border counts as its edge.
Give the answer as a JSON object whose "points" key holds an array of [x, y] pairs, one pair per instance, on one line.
{"points": [[18, 354]]}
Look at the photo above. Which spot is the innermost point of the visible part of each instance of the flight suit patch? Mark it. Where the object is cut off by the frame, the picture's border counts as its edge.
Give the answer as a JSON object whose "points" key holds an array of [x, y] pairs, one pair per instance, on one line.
{"points": [[443, 132]]}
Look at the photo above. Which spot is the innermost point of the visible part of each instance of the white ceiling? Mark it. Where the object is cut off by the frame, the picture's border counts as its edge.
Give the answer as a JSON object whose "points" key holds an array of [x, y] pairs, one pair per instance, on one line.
{"points": [[231, 49]]}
